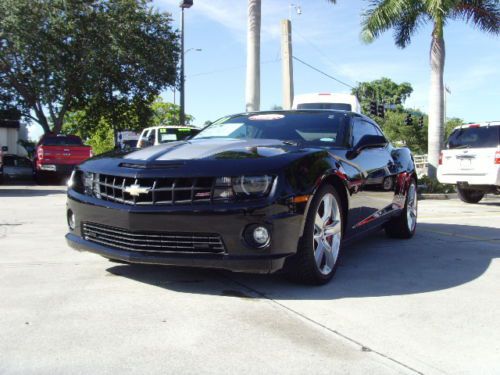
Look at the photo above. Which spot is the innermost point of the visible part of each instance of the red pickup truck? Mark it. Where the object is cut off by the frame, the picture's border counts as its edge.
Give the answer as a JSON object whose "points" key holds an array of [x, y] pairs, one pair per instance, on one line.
{"points": [[57, 155]]}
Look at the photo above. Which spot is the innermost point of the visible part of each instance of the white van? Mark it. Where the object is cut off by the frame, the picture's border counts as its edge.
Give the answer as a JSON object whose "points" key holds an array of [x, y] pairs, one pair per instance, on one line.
{"points": [[471, 161], [163, 134], [343, 102]]}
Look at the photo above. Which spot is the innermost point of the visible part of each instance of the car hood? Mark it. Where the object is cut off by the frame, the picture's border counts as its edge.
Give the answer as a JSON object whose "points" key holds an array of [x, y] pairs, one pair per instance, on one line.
{"points": [[219, 148], [204, 155]]}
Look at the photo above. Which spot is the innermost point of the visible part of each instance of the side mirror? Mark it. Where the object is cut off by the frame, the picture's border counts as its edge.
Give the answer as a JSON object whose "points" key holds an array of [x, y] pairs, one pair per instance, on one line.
{"points": [[5, 149], [368, 141]]}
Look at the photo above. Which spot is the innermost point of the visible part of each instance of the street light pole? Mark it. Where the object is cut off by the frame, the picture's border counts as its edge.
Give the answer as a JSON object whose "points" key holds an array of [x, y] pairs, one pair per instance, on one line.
{"points": [[183, 4]]}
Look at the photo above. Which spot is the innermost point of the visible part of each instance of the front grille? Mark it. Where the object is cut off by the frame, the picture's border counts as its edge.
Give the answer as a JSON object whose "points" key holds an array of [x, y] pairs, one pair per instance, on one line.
{"points": [[147, 191], [153, 242]]}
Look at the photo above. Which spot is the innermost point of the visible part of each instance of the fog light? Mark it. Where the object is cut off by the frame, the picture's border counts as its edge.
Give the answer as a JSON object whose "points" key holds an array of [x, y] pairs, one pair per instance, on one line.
{"points": [[257, 236], [71, 220], [261, 236]]}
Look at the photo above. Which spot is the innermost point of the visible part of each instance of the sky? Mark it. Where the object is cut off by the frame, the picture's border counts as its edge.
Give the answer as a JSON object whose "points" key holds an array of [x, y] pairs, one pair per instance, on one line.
{"points": [[327, 37]]}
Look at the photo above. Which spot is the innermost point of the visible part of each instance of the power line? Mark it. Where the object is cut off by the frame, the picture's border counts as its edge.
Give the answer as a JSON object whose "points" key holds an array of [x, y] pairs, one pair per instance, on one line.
{"points": [[321, 72], [229, 68]]}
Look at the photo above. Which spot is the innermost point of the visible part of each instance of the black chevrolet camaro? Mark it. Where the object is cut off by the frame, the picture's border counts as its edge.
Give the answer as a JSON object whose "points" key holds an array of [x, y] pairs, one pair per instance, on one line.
{"points": [[253, 192]]}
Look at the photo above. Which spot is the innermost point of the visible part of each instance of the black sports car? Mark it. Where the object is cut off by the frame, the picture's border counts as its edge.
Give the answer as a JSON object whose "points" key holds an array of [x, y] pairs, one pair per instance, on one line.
{"points": [[252, 192]]}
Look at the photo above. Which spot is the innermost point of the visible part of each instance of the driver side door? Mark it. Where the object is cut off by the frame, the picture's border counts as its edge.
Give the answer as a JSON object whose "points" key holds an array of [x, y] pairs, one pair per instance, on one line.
{"points": [[377, 172]]}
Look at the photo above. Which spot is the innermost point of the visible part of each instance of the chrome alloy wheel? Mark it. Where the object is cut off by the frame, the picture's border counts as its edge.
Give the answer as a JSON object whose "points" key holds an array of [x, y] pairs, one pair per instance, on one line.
{"points": [[411, 208], [327, 234]]}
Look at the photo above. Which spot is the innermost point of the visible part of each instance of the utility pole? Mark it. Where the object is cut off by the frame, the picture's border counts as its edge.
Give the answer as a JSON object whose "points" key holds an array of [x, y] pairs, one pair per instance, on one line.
{"points": [[286, 63], [182, 115], [252, 91], [183, 4]]}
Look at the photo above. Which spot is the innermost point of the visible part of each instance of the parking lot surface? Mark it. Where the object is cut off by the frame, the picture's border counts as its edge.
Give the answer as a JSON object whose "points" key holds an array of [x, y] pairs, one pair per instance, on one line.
{"points": [[426, 305]]}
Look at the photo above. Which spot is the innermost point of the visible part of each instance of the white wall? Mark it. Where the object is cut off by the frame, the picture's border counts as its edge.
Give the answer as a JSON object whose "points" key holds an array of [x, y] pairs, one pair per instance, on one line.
{"points": [[9, 137]]}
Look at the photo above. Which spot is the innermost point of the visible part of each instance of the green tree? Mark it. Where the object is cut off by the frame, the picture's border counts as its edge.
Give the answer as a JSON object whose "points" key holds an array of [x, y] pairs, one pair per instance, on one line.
{"points": [[451, 124], [383, 90], [405, 16], [412, 136], [58, 56], [98, 129], [164, 113]]}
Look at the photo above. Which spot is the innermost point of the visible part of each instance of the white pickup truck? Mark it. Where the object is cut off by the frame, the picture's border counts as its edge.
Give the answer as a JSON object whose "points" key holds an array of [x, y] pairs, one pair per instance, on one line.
{"points": [[471, 160]]}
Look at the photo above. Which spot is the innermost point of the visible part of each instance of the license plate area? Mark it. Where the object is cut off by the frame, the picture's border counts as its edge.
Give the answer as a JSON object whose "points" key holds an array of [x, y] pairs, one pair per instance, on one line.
{"points": [[465, 163]]}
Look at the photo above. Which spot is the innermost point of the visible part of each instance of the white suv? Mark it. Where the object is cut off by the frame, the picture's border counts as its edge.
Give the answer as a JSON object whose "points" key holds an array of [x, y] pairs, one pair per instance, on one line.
{"points": [[472, 161]]}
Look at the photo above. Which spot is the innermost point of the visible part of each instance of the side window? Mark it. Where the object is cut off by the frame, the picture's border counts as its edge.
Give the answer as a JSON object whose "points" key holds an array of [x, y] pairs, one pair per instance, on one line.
{"points": [[151, 136], [361, 128]]}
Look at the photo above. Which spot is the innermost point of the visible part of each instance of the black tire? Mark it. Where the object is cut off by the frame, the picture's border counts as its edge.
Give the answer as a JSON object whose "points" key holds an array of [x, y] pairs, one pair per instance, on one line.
{"points": [[469, 195], [302, 267], [41, 179], [400, 226]]}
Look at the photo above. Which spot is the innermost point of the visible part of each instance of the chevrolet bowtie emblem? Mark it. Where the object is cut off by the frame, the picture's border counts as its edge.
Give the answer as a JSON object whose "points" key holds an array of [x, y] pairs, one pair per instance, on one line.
{"points": [[135, 190]]}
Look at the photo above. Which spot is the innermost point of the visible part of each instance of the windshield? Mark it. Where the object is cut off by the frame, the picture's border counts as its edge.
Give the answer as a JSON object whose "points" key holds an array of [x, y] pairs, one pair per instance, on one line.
{"points": [[175, 134], [319, 128], [62, 141], [475, 137], [338, 106]]}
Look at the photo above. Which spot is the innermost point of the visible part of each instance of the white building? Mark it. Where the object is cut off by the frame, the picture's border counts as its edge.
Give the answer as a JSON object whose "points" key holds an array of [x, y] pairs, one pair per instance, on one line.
{"points": [[10, 132]]}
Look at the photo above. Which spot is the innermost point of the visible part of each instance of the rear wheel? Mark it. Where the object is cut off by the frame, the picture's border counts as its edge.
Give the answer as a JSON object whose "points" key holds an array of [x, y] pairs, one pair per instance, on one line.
{"points": [[405, 224], [469, 195], [319, 249]]}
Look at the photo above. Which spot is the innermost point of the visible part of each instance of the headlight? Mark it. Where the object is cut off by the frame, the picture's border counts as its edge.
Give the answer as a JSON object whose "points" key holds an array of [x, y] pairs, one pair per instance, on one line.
{"points": [[226, 188], [91, 184], [252, 185], [71, 181]]}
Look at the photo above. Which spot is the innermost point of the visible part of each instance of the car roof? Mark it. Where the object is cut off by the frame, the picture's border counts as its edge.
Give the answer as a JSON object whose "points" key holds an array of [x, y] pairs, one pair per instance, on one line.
{"points": [[477, 125], [170, 127]]}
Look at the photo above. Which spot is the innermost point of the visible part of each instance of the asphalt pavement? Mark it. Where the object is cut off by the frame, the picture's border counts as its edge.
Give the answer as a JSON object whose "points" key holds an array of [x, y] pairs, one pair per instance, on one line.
{"points": [[426, 305]]}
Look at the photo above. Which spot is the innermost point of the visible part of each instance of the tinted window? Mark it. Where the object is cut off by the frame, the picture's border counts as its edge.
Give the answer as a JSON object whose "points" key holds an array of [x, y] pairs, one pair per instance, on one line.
{"points": [[23, 162], [338, 106], [361, 128], [16, 161], [320, 128], [8, 161], [480, 137], [62, 141]]}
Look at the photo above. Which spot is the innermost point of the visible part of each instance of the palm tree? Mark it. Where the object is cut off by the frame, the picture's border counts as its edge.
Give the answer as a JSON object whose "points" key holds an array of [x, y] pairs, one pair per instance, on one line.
{"points": [[405, 17], [253, 56]]}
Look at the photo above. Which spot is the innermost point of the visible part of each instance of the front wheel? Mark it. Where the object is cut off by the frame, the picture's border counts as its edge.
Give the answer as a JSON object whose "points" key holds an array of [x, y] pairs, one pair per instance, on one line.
{"points": [[319, 249], [405, 224], [469, 195]]}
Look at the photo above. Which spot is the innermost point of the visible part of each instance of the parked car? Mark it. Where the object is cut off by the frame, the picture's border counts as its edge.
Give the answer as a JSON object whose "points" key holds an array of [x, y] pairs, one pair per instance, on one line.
{"points": [[251, 192], [157, 135], [471, 161], [57, 155], [3, 150], [17, 167], [127, 139], [327, 100]]}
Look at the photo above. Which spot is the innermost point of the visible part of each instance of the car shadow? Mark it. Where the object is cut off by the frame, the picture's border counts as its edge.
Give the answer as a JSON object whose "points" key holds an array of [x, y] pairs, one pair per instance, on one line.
{"points": [[440, 256]]}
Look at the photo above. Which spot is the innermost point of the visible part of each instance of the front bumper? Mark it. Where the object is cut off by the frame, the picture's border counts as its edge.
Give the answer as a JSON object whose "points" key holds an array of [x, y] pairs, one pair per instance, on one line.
{"points": [[229, 221]]}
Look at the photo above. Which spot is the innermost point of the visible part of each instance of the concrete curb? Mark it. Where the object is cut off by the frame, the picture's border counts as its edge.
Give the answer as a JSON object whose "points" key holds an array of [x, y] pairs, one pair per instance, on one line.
{"points": [[437, 196]]}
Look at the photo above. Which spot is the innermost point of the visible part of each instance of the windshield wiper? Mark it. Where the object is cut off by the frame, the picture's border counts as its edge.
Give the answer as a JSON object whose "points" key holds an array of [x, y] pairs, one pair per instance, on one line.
{"points": [[462, 146]]}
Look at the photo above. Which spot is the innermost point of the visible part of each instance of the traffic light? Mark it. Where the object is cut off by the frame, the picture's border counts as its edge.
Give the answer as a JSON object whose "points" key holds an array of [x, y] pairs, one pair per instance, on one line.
{"points": [[373, 108], [381, 110], [421, 122], [409, 120]]}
